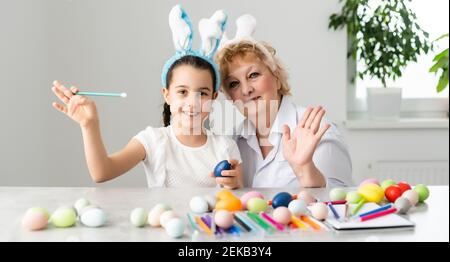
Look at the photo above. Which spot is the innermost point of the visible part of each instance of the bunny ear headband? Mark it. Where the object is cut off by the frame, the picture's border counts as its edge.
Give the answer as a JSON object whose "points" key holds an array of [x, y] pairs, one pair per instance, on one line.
{"points": [[246, 26], [211, 31]]}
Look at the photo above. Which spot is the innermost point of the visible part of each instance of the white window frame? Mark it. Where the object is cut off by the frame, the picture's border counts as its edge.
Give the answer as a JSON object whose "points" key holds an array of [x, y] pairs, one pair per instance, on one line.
{"points": [[417, 107]]}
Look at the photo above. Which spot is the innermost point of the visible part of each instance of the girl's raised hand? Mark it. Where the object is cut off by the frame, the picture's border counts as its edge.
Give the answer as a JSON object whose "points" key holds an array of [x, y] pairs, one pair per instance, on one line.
{"points": [[80, 108]]}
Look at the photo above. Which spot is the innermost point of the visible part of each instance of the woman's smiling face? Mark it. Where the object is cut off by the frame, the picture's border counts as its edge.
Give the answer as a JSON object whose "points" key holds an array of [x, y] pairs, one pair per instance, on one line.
{"points": [[251, 84]]}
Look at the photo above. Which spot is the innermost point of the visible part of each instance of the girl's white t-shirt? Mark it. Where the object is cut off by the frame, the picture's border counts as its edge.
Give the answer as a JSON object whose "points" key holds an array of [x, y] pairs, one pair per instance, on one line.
{"points": [[169, 163]]}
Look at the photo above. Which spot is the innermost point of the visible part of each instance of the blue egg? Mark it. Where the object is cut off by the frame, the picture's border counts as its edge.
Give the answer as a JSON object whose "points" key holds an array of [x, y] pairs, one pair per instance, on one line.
{"points": [[281, 199], [223, 165]]}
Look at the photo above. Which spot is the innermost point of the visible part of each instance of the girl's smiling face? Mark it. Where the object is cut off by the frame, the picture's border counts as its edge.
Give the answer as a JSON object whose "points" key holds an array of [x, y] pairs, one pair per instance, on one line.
{"points": [[190, 96], [251, 84]]}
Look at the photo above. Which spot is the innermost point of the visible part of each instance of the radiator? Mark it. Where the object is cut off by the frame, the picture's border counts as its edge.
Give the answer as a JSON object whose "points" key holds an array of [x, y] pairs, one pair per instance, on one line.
{"points": [[413, 172]]}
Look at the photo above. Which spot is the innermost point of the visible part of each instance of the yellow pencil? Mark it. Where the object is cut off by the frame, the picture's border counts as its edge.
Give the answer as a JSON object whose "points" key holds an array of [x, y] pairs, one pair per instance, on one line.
{"points": [[310, 222], [296, 221], [203, 225]]}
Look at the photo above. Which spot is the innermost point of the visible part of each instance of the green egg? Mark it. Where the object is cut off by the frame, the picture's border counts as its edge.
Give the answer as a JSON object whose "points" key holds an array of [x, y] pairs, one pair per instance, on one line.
{"points": [[64, 217], [256, 205], [353, 197], [387, 183], [423, 192], [337, 194]]}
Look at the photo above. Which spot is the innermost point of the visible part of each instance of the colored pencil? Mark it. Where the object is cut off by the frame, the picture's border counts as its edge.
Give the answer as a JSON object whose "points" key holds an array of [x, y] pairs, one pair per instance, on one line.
{"points": [[277, 225], [379, 214]]}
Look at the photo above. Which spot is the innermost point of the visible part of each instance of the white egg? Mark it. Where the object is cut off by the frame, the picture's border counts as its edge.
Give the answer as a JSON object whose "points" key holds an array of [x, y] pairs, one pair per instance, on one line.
{"points": [[211, 200], [319, 211], [166, 216], [155, 213], [198, 205], [175, 228], [298, 207], [138, 217], [93, 217], [80, 204], [412, 196]]}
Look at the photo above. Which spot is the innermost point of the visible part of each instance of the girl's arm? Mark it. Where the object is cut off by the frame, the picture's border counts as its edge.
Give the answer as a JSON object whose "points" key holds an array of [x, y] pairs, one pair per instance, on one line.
{"points": [[83, 111]]}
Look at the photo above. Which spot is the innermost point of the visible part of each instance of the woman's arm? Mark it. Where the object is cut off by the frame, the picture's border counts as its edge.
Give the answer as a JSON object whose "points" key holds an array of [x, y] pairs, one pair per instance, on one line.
{"points": [[299, 147]]}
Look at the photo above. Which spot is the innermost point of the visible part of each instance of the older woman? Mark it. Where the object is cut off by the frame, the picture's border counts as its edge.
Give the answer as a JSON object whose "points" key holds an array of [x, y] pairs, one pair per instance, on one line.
{"points": [[281, 144]]}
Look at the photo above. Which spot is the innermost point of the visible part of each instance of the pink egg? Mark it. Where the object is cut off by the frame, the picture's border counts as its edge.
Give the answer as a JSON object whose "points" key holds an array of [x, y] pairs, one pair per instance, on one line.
{"points": [[370, 181], [319, 211], [34, 220], [282, 215], [247, 196], [223, 219], [307, 197]]}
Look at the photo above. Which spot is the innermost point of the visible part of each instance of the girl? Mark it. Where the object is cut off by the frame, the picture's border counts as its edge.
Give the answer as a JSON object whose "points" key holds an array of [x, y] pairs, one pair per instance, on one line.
{"points": [[180, 154], [314, 155]]}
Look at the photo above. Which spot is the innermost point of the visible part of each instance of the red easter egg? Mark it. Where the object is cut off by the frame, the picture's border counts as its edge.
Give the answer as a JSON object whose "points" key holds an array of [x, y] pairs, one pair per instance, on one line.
{"points": [[392, 193], [404, 186]]}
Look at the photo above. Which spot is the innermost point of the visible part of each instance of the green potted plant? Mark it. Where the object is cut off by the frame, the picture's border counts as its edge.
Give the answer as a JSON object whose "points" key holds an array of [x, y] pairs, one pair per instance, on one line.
{"points": [[441, 66], [386, 38]]}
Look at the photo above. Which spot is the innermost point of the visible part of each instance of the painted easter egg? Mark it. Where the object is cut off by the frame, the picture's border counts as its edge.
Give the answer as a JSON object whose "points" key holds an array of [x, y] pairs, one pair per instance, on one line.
{"points": [[155, 214], [387, 183], [92, 216], [319, 211], [307, 197], [412, 196], [198, 205], [175, 228], [223, 219], [222, 165], [80, 204], [371, 192], [282, 215], [281, 199], [369, 181], [256, 205], [138, 217], [423, 191], [337, 194], [404, 186], [35, 218], [298, 207], [392, 193], [166, 216], [402, 204], [245, 197], [64, 217]]}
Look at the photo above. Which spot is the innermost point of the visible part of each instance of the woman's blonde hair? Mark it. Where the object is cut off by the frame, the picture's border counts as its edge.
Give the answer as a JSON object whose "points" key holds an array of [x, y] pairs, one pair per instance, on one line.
{"points": [[245, 48]]}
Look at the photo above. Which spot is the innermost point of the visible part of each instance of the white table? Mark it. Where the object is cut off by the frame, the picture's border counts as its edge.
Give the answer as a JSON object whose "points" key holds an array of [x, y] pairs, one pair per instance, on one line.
{"points": [[431, 219]]}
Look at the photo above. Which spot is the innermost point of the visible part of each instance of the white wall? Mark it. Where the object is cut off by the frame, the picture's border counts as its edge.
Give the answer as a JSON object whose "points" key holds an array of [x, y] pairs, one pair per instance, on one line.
{"points": [[120, 46]]}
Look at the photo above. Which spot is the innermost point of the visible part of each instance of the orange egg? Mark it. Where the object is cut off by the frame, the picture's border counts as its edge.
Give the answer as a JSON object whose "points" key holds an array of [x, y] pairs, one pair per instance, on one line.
{"points": [[230, 204], [223, 194]]}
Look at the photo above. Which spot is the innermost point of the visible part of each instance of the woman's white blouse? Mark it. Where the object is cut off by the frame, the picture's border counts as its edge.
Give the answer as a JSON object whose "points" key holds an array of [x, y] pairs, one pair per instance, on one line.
{"points": [[331, 156]]}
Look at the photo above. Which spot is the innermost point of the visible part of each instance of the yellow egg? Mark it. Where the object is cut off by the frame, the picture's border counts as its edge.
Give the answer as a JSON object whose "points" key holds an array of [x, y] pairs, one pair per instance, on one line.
{"points": [[371, 192]]}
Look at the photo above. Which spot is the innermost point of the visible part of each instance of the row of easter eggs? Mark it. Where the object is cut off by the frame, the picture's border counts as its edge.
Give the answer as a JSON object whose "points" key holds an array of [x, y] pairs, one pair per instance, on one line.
{"points": [[37, 218], [373, 191], [161, 215]]}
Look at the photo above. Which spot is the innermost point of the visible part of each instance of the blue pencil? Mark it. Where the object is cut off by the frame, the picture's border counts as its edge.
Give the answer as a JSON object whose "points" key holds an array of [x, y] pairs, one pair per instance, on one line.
{"points": [[336, 215], [102, 94], [376, 210]]}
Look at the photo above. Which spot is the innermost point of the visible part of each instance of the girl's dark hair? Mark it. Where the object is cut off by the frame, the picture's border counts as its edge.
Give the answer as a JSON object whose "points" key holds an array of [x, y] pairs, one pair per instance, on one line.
{"points": [[194, 61]]}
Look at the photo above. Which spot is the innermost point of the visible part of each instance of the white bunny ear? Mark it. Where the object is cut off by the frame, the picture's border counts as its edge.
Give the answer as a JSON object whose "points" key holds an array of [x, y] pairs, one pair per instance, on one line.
{"points": [[211, 31], [246, 26], [181, 28]]}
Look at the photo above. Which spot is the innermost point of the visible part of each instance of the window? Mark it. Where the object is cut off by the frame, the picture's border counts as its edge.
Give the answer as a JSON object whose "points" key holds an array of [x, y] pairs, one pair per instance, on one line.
{"points": [[419, 86]]}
